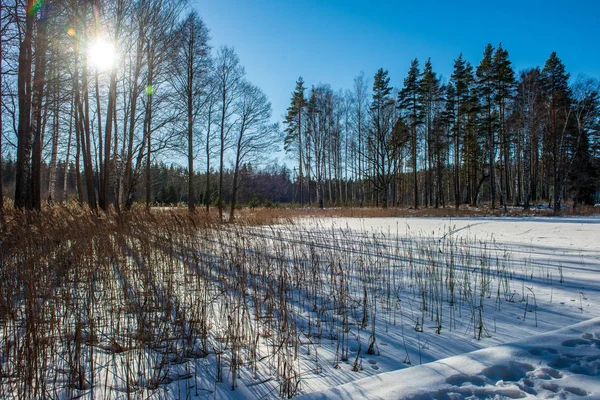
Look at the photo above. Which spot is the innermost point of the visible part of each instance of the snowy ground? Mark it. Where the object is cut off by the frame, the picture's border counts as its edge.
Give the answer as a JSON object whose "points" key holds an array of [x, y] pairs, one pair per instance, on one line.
{"points": [[520, 359], [418, 308], [561, 364]]}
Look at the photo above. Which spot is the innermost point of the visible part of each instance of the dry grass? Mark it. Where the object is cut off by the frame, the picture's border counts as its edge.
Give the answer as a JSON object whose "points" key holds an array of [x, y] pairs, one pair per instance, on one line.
{"points": [[267, 216], [110, 306]]}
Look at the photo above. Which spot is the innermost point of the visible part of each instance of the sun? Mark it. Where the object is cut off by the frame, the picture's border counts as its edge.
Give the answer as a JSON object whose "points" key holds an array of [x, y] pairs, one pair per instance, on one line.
{"points": [[101, 54]]}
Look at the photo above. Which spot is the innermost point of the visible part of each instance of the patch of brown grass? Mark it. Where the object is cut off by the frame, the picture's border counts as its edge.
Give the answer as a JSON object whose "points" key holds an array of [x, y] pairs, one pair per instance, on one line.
{"points": [[267, 216]]}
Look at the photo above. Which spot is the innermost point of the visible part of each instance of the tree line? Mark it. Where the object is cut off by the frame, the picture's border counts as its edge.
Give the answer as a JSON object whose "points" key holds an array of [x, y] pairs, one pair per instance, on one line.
{"points": [[270, 185], [168, 95], [488, 134]]}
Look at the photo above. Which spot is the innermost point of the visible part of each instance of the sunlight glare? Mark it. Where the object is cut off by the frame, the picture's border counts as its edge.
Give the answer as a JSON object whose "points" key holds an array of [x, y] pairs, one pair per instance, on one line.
{"points": [[101, 54]]}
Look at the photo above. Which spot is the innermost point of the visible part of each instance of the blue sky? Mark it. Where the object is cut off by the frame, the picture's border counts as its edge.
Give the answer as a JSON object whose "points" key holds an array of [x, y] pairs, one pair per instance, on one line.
{"points": [[333, 41]]}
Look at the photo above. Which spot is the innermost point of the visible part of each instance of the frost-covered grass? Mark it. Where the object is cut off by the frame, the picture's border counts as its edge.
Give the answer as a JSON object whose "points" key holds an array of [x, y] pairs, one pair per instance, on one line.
{"points": [[171, 305]]}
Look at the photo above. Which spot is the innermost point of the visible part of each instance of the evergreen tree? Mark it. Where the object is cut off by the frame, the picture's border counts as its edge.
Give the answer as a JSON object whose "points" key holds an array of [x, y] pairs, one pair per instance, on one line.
{"points": [[411, 108], [380, 151], [471, 148], [583, 175], [485, 91], [504, 82], [529, 104], [293, 138], [430, 95], [455, 97], [558, 108], [449, 117]]}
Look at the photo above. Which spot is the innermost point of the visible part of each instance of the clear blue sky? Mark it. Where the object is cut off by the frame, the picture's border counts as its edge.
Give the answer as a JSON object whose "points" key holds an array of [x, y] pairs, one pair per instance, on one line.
{"points": [[332, 41]]}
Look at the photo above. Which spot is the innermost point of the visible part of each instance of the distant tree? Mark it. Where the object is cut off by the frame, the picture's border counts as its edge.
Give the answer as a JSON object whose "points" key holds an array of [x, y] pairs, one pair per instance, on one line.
{"points": [[228, 75], [361, 126], [456, 95], [583, 175], [529, 106], [191, 63], [294, 130], [430, 95], [380, 147], [485, 91], [318, 112], [440, 146], [558, 112], [158, 56], [211, 105], [410, 106], [471, 151], [504, 82], [255, 134]]}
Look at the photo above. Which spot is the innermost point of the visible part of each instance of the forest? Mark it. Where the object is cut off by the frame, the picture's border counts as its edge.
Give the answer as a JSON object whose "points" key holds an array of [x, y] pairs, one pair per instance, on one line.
{"points": [[114, 102], [488, 134]]}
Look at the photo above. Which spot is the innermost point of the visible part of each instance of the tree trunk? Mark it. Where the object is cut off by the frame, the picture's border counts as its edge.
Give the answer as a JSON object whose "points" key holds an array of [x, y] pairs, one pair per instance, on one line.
{"points": [[148, 123], [234, 187], [80, 196], [66, 176], [1, 133], [99, 155], [106, 172], [300, 160], [55, 134], [222, 153], [23, 167], [207, 191], [130, 180], [414, 159], [457, 169], [190, 137], [86, 142]]}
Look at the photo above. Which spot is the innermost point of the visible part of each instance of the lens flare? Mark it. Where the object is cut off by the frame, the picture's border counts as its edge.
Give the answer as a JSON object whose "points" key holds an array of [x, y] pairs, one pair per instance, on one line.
{"points": [[34, 6], [102, 54]]}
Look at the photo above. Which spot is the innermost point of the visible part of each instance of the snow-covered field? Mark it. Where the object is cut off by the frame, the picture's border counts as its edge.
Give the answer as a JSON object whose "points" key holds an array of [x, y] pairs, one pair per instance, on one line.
{"points": [[326, 308], [520, 358], [561, 364]]}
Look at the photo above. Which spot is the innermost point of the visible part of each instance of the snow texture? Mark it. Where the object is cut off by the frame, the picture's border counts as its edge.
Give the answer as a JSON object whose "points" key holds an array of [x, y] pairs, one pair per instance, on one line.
{"points": [[534, 362], [561, 364]]}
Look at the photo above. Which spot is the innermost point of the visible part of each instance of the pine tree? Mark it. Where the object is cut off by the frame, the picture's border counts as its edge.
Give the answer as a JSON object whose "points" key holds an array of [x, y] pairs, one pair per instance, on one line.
{"points": [[293, 120], [410, 106], [471, 148], [430, 98], [456, 97], [485, 91], [504, 82], [529, 103], [583, 176], [380, 153], [558, 94]]}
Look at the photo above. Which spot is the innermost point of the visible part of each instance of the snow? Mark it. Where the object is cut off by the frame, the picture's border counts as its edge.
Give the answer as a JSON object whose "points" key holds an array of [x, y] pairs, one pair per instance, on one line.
{"points": [[458, 307], [518, 359], [561, 364]]}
